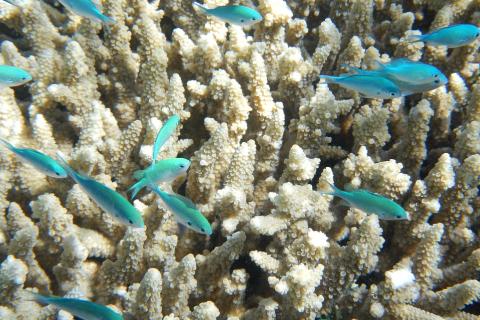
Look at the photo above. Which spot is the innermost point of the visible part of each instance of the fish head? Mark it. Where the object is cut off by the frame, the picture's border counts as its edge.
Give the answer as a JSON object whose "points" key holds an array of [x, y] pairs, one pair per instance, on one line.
{"points": [[200, 224], [181, 165], [132, 218], [15, 76], [396, 213], [439, 79], [247, 16], [57, 171], [388, 91]]}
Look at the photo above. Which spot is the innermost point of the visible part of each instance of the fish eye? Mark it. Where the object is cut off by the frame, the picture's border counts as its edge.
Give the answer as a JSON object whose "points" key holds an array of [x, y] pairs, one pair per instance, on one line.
{"points": [[254, 19], [393, 94], [436, 76], [437, 81], [241, 20], [182, 166], [189, 223], [203, 230], [57, 173], [478, 34], [130, 221]]}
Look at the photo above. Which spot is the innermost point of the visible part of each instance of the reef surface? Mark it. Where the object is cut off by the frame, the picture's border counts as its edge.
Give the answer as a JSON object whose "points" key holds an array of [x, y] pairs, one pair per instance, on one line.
{"points": [[263, 135]]}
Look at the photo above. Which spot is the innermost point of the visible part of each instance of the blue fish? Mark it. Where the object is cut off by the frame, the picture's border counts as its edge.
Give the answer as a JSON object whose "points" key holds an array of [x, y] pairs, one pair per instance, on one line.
{"points": [[109, 200], [237, 15], [369, 203], [410, 76], [184, 211], [369, 86], [84, 309], [162, 171], [38, 160], [88, 9], [453, 36], [165, 132], [11, 76]]}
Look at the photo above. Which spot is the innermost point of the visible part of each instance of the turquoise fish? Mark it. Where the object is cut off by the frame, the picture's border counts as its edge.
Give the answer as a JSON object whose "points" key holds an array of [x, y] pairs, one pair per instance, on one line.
{"points": [[109, 200], [184, 211], [11, 76], [88, 9], [38, 160], [237, 15], [165, 132], [162, 171], [84, 309], [453, 36], [369, 86], [410, 76], [370, 202]]}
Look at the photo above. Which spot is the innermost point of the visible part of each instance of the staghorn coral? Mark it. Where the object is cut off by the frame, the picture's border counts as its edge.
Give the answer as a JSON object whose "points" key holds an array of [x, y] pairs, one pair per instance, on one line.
{"points": [[263, 136]]}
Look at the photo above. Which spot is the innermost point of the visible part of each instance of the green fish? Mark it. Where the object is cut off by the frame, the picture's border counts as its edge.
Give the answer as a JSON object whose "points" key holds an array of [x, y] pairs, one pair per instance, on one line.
{"points": [[88, 9], [369, 86], [84, 309], [185, 211], [11, 76], [162, 171], [165, 132], [109, 200], [453, 36], [370, 202], [238, 15], [38, 160]]}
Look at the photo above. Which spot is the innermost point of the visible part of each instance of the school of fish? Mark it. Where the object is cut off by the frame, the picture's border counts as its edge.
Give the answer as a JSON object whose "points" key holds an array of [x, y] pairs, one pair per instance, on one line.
{"points": [[397, 78]]}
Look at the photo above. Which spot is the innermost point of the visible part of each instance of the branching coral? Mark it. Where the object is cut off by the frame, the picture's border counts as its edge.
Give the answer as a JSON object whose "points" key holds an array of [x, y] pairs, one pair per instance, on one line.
{"points": [[264, 137]]}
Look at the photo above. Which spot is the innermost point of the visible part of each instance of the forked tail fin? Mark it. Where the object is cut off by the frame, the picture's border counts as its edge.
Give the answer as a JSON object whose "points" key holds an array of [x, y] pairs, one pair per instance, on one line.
{"points": [[414, 38], [65, 166], [33, 296], [201, 6], [329, 79], [136, 187], [7, 144], [333, 190]]}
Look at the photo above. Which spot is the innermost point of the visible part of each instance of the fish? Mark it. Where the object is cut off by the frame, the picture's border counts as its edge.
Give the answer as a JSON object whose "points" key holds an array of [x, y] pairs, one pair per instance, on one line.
{"points": [[38, 160], [109, 200], [184, 211], [84, 309], [162, 171], [453, 36], [11, 76], [369, 86], [236, 14], [165, 132], [12, 3], [410, 76], [370, 203], [87, 9]]}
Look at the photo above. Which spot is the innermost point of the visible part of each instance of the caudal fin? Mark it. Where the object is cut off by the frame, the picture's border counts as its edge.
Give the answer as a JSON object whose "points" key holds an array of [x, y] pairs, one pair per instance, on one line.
{"points": [[135, 188], [33, 296], [329, 79], [332, 191], [65, 166], [7, 144], [414, 38], [201, 6], [139, 174]]}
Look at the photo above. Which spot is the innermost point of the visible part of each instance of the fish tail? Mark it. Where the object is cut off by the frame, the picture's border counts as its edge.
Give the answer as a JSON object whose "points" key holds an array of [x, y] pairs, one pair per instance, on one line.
{"points": [[135, 188], [7, 144], [378, 65], [329, 79], [349, 68], [333, 190], [33, 296], [414, 38], [201, 6], [65, 166], [106, 19], [139, 174]]}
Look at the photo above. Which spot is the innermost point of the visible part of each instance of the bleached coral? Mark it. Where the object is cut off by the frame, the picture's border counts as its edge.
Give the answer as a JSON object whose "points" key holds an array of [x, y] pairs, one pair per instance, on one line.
{"points": [[263, 136]]}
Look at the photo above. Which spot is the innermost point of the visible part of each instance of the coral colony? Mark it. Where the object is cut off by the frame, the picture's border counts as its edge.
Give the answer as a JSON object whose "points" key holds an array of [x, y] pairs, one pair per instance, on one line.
{"points": [[170, 160]]}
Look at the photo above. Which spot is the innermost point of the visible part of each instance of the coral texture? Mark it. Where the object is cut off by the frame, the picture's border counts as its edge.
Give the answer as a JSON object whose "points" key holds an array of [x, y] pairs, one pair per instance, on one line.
{"points": [[263, 136]]}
